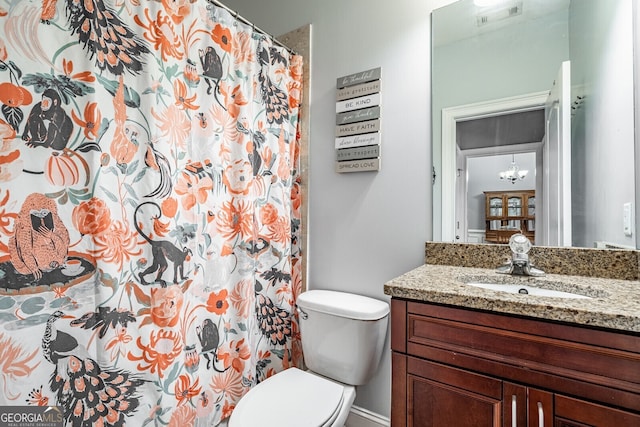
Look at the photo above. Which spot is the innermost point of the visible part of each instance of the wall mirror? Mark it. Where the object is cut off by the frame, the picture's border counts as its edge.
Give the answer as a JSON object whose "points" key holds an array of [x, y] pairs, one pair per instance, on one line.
{"points": [[570, 65]]}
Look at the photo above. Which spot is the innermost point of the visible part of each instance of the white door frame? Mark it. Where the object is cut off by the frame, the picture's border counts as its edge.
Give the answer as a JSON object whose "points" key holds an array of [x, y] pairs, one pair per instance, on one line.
{"points": [[465, 155], [452, 115], [556, 225]]}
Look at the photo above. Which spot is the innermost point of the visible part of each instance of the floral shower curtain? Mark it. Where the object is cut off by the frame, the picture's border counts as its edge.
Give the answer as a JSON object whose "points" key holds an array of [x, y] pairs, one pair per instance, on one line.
{"points": [[149, 209]]}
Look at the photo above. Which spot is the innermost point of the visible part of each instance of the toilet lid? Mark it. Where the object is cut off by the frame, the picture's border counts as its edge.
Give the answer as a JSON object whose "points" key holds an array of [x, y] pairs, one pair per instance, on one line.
{"points": [[289, 399]]}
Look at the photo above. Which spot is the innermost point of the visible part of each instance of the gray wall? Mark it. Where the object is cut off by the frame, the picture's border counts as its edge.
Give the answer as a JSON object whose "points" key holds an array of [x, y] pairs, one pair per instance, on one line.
{"points": [[365, 228], [603, 139]]}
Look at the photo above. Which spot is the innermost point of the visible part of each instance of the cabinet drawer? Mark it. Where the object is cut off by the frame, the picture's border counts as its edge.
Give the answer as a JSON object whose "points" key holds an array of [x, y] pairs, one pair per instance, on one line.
{"points": [[464, 380], [601, 365]]}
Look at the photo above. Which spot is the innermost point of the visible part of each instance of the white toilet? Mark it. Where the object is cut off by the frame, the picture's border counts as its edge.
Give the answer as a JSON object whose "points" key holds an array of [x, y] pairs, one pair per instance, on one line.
{"points": [[342, 339]]}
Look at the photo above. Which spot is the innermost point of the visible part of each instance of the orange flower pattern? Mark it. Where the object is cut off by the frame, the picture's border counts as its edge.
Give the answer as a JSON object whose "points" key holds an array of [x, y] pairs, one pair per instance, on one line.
{"points": [[243, 298], [170, 182], [14, 364], [91, 122], [160, 353], [228, 384], [217, 302], [162, 34], [174, 125], [178, 10], [183, 416], [116, 244], [92, 216], [234, 353], [180, 94], [185, 390], [238, 176], [222, 36], [118, 344], [193, 189], [235, 219]]}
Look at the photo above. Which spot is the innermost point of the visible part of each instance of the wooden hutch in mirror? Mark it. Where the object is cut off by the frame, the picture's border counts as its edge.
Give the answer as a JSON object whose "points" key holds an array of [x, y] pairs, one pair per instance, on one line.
{"points": [[509, 212]]}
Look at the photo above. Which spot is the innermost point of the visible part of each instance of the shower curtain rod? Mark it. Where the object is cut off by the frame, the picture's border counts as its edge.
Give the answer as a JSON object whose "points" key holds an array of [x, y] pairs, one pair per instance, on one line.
{"points": [[237, 16]]}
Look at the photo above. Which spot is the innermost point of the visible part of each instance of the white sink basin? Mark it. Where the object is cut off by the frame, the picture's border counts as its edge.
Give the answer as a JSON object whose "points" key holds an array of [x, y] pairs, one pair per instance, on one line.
{"points": [[526, 290]]}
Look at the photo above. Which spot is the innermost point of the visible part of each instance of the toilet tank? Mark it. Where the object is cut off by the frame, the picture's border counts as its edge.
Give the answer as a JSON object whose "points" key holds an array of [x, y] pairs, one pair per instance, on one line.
{"points": [[342, 334]]}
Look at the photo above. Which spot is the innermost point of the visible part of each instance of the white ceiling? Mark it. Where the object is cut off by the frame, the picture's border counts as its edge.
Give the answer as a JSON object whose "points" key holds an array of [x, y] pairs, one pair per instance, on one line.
{"points": [[458, 20]]}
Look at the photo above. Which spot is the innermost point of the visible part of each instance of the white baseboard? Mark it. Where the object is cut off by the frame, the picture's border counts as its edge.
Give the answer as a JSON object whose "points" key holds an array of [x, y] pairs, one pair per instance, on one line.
{"points": [[476, 236], [360, 417]]}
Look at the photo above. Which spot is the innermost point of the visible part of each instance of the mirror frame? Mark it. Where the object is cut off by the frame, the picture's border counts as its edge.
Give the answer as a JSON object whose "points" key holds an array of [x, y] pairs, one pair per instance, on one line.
{"points": [[636, 106]]}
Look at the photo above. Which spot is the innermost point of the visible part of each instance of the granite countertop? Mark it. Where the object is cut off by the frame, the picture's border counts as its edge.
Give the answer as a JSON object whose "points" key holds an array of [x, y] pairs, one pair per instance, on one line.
{"points": [[614, 303]]}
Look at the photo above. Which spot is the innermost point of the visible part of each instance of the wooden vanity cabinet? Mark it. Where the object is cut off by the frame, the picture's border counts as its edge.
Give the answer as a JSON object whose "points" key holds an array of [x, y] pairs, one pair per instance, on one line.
{"points": [[456, 367]]}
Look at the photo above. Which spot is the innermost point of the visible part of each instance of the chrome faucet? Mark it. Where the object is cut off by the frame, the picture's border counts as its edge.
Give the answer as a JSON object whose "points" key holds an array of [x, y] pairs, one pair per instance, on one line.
{"points": [[519, 263]]}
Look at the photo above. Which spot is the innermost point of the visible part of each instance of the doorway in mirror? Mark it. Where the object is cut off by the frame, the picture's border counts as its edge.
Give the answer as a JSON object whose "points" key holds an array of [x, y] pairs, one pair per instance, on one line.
{"points": [[537, 124]]}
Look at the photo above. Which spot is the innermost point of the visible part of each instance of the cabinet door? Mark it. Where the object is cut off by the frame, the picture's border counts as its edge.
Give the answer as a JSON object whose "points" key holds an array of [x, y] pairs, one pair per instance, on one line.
{"points": [[442, 396], [526, 407], [540, 408], [531, 206], [495, 207], [434, 404], [514, 206], [514, 405], [570, 412]]}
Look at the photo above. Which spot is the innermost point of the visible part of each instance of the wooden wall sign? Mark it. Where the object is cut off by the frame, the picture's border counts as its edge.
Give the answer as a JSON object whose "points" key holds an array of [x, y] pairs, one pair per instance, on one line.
{"points": [[358, 78], [358, 140], [358, 103], [366, 165], [357, 128], [358, 116], [368, 152], [358, 90]]}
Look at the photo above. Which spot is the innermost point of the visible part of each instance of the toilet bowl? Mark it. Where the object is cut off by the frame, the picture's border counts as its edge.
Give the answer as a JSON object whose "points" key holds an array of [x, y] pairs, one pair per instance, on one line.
{"points": [[342, 338], [294, 398]]}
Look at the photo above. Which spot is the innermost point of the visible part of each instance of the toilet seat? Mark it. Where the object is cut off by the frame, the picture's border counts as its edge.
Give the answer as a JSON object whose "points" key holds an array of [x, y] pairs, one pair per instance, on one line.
{"points": [[288, 397]]}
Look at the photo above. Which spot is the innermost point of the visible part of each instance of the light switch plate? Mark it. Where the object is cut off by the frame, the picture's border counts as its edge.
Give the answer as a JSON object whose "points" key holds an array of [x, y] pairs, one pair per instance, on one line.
{"points": [[627, 218]]}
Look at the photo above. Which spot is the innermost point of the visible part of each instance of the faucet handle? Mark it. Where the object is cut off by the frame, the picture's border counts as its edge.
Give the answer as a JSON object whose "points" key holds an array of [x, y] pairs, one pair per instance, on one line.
{"points": [[520, 244], [519, 265]]}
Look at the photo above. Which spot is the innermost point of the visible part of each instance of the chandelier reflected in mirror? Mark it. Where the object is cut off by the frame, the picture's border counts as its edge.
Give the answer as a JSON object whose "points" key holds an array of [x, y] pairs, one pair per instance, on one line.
{"points": [[514, 173]]}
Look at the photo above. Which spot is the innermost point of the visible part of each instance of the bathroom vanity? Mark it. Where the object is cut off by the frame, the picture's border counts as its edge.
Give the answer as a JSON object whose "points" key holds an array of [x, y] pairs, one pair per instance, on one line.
{"points": [[468, 356]]}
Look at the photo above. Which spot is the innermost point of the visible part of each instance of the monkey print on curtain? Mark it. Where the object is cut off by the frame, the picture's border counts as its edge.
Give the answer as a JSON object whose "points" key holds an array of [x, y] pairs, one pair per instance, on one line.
{"points": [[149, 210]]}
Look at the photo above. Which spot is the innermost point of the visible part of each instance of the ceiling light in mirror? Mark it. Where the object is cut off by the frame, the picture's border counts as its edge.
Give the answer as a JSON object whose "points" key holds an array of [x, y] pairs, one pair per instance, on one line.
{"points": [[497, 10], [514, 173]]}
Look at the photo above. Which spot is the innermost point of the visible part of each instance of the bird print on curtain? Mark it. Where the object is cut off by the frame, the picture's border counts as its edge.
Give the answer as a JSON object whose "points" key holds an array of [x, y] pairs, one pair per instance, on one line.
{"points": [[105, 37], [88, 394], [149, 210], [275, 99]]}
